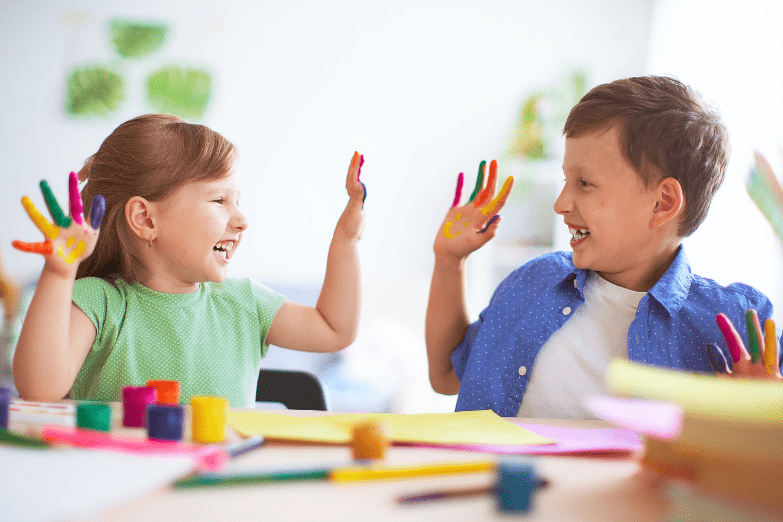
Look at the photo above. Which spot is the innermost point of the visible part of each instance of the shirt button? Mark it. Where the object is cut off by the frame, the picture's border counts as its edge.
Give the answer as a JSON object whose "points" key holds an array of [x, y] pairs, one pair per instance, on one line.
{"points": [[522, 370], [575, 283], [566, 310], [637, 338]]}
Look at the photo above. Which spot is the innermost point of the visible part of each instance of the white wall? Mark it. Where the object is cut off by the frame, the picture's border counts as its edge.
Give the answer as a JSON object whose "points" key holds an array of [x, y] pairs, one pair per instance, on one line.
{"points": [[424, 89]]}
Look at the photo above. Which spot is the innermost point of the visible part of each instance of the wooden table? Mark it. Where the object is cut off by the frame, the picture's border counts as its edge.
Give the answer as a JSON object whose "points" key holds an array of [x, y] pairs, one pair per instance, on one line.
{"points": [[583, 488]]}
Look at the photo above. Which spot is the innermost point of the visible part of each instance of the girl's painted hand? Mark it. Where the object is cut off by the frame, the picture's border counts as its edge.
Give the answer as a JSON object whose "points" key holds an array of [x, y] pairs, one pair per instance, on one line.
{"points": [[468, 227], [763, 359], [351, 223], [69, 240]]}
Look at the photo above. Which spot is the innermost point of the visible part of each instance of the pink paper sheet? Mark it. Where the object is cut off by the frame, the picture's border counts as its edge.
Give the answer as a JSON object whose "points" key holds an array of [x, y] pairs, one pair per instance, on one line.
{"points": [[569, 441], [661, 419]]}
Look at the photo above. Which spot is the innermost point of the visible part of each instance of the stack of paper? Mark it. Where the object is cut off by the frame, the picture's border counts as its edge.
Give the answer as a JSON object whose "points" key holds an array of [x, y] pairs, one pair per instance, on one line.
{"points": [[723, 436]]}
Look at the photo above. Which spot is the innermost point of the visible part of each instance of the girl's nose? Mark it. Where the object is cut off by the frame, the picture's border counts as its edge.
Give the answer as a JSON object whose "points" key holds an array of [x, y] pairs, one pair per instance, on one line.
{"points": [[239, 221]]}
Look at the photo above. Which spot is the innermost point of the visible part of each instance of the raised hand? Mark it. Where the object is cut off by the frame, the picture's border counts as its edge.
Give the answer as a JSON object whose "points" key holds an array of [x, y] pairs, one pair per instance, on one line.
{"points": [[69, 239], [351, 222], [468, 227], [761, 362]]}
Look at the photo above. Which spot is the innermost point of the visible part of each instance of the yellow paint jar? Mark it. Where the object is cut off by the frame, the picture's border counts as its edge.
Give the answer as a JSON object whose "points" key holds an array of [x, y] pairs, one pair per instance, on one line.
{"points": [[208, 419]]}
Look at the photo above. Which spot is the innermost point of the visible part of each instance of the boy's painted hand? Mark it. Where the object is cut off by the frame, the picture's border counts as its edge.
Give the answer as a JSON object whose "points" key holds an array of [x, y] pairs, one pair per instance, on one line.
{"points": [[68, 239], [763, 359], [351, 222], [468, 227]]}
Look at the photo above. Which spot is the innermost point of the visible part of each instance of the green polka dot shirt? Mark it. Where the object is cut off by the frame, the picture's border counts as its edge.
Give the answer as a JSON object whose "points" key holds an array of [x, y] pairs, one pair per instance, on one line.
{"points": [[211, 340]]}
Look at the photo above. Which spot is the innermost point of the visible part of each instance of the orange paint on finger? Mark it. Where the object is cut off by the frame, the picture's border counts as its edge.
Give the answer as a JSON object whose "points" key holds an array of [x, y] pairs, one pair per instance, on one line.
{"points": [[490, 188], [44, 248], [355, 159], [490, 207]]}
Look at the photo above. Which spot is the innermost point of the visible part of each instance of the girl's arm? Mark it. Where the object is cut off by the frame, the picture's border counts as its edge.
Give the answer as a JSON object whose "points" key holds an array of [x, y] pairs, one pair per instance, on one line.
{"points": [[464, 230], [334, 322], [56, 335]]}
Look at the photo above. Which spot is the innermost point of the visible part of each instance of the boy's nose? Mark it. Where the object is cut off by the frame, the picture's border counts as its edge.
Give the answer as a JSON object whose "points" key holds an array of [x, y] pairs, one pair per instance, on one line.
{"points": [[562, 203]]}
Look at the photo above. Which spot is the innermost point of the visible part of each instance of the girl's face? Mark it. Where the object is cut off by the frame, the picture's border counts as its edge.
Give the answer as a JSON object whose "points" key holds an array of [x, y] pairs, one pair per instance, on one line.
{"points": [[199, 227]]}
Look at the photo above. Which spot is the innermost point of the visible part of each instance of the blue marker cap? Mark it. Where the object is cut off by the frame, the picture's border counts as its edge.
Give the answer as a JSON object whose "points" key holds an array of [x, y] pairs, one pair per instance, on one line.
{"points": [[517, 481], [5, 403], [165, 422]]}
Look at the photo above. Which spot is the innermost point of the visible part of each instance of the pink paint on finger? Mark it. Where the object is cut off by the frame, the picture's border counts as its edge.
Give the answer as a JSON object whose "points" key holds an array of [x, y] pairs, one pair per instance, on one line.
{"points": [[77, 209], [733, 339], [458, 193], [361, 162]]}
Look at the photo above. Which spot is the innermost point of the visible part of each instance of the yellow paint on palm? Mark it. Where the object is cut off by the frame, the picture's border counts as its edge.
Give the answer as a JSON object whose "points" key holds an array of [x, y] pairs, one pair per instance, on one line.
{"points": [[486, 210], [447, 227], [75, 253], [43, 224]]}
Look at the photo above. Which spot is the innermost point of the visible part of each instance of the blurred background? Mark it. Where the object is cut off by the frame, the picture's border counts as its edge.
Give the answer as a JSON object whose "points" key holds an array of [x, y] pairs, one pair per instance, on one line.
{"points": [[425, 89]]}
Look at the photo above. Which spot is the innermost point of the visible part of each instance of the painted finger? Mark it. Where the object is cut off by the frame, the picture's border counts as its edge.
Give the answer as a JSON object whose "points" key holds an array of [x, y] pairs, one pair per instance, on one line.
{"points": [[359, 173], [717, 360], [492, 183], [96, 211], [75, 199], [458, 192], [43, 224], [755, 337], [771, 357], [500, 199], [60, 219], [479, 181], [364, 198], [489, 223], [733, 339], [44, 248]]}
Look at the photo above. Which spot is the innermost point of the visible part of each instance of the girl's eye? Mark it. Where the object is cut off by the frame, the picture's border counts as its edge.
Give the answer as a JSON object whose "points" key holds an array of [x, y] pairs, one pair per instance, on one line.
{"points": [[218, 200], [584, 182]]}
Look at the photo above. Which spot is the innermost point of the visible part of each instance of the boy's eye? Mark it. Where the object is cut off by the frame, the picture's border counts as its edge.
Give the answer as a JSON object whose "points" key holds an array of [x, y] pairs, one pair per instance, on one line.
{"points": [[584, 182], [218, 200]]}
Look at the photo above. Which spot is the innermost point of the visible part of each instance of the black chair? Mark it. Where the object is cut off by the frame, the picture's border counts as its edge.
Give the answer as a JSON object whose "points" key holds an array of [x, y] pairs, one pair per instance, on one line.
{"points": [[296, 390]]}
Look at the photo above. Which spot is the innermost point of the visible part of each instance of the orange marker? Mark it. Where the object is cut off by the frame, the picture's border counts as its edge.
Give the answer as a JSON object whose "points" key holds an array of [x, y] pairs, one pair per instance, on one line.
{"points": [[369, 441]]}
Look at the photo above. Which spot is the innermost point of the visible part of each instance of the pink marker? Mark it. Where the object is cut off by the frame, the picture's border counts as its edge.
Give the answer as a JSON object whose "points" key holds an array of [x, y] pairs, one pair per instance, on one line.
{"points": [[207, 458], [134, 405], [458, 193], [733, 339], [77, 209]]}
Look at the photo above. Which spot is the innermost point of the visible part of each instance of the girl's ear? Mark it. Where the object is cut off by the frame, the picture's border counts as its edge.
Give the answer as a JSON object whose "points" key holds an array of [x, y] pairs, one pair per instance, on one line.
{"points": [[669, 202], [139, 216]]}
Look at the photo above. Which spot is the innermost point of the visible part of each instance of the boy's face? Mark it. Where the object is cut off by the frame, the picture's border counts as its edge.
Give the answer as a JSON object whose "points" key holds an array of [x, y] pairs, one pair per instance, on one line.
{"points": [[608, 211]]}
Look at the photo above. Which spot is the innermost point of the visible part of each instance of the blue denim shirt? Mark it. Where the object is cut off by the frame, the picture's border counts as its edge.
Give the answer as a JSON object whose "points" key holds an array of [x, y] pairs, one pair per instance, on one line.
{"points": [[674, 323]]}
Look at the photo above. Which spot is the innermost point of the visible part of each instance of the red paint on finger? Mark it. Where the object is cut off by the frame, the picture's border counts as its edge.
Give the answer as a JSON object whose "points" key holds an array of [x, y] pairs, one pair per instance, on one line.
{"points": [[733, 339]]}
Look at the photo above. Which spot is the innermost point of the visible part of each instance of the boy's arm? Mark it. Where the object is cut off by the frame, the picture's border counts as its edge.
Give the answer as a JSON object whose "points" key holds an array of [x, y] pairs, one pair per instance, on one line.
{"points": [[56, 335], [464, 230], [334, 322]]}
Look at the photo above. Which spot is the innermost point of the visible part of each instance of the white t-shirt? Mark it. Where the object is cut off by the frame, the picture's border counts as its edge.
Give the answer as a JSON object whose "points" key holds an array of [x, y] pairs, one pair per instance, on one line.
{"points": [[572, 363]]}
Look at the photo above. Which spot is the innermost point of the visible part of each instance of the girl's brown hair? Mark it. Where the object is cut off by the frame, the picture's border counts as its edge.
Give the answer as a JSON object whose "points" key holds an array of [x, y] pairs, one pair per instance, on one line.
{"points": [[149, 156], [666, 130]]}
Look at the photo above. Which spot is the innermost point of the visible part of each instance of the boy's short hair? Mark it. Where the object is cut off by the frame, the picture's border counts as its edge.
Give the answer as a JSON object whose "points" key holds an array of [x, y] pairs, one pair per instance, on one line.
{"points": [[666, 130]]}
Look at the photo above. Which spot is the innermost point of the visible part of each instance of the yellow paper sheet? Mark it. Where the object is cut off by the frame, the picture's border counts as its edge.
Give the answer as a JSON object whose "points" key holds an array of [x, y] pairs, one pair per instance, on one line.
{"points": [[698, 393], [466, 427]]}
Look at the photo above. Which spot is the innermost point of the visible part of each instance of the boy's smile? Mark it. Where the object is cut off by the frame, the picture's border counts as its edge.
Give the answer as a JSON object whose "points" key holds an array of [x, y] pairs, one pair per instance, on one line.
{"points": [[611, 214]]}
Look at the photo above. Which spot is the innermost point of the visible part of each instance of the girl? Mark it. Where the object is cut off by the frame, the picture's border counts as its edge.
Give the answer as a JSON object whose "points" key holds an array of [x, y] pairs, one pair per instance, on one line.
{"points": [[148, 297]]}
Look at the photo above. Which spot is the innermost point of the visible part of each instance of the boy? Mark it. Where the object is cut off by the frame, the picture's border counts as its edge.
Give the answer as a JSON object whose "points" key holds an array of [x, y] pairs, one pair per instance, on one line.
{"points": [[643, 159]]}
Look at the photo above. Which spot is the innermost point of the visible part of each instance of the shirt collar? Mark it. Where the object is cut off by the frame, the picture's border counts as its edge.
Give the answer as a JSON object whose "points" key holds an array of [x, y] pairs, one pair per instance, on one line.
{"points": [[670, 291], [672, 288]]}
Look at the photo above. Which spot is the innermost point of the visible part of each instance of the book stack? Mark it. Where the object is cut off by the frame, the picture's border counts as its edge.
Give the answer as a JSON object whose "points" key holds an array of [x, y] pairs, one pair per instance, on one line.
{"points": [[718, 447]]}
